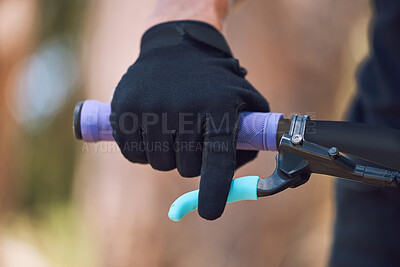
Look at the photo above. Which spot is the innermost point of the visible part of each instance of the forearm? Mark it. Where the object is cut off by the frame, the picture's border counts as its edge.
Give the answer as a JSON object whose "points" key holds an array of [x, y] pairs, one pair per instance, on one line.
{"points": [[209, 11]]}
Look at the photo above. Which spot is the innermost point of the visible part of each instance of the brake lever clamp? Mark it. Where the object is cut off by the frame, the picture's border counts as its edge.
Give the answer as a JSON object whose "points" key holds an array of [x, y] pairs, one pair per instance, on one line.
{"points": [[291, 169], [297, 159]]}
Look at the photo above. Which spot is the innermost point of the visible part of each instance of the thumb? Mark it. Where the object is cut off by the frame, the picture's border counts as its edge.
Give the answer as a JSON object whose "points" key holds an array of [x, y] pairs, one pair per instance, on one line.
{"points": [[218, 166]]}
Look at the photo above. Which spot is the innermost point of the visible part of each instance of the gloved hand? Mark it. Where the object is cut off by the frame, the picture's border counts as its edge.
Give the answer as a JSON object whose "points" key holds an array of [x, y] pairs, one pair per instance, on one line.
{"points": [[177, 107]]}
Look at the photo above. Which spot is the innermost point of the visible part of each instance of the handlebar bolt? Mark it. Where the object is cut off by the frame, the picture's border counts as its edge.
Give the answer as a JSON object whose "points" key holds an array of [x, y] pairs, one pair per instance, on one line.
{"points": [[333, 152], [297, 139]]}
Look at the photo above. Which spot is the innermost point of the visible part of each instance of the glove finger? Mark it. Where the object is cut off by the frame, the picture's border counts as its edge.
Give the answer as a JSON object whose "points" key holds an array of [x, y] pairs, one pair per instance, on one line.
{"points": [[188, 153], [159, 149], [218, 166], [129, 139]]}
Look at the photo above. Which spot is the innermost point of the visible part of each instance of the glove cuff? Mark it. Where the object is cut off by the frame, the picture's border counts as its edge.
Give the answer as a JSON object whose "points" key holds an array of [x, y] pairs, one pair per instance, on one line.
{"points": [[174, 32]]}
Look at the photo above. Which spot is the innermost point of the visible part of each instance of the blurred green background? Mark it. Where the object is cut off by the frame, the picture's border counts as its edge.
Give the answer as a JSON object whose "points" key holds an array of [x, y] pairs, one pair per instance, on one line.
{"points": [[40, 226]]}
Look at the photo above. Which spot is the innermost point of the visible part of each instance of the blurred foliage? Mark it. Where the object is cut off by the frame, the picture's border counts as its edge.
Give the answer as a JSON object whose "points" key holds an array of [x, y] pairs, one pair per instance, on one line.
{"points": [[47, 163], [47, 157], [44, 215], [59, 238], [61, 16]]}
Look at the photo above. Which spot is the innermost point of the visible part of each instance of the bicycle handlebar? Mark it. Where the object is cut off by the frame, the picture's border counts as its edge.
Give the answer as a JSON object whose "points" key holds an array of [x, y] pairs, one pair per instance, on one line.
{"points": [[257, 130]]}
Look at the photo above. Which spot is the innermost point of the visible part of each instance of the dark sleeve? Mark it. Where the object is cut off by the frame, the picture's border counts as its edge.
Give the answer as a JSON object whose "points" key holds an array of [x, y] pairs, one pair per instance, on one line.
{"points": [[378, 98]]}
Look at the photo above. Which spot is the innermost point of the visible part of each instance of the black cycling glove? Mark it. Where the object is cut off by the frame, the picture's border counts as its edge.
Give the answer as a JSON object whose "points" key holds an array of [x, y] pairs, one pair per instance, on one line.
{"points": [[177, 107]]}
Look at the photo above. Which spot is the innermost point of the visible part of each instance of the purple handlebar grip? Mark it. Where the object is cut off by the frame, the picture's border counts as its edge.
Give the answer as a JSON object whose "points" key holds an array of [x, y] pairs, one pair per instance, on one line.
{"points": [[257, 130], [95, 121]]}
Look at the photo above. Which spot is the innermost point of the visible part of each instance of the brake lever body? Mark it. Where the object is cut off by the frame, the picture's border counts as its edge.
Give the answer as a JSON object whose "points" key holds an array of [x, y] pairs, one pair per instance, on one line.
{"points": [[296, 162]]}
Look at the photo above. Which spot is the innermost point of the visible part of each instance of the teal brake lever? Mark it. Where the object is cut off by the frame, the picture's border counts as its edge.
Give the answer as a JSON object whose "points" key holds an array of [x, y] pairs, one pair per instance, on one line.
{"points": [[244, 188], [288, 173]]}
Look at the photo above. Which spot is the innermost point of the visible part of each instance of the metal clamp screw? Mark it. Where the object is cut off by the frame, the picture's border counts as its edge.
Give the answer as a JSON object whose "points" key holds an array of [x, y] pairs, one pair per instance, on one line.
{"points": [[333, 152], [297, 139]]}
